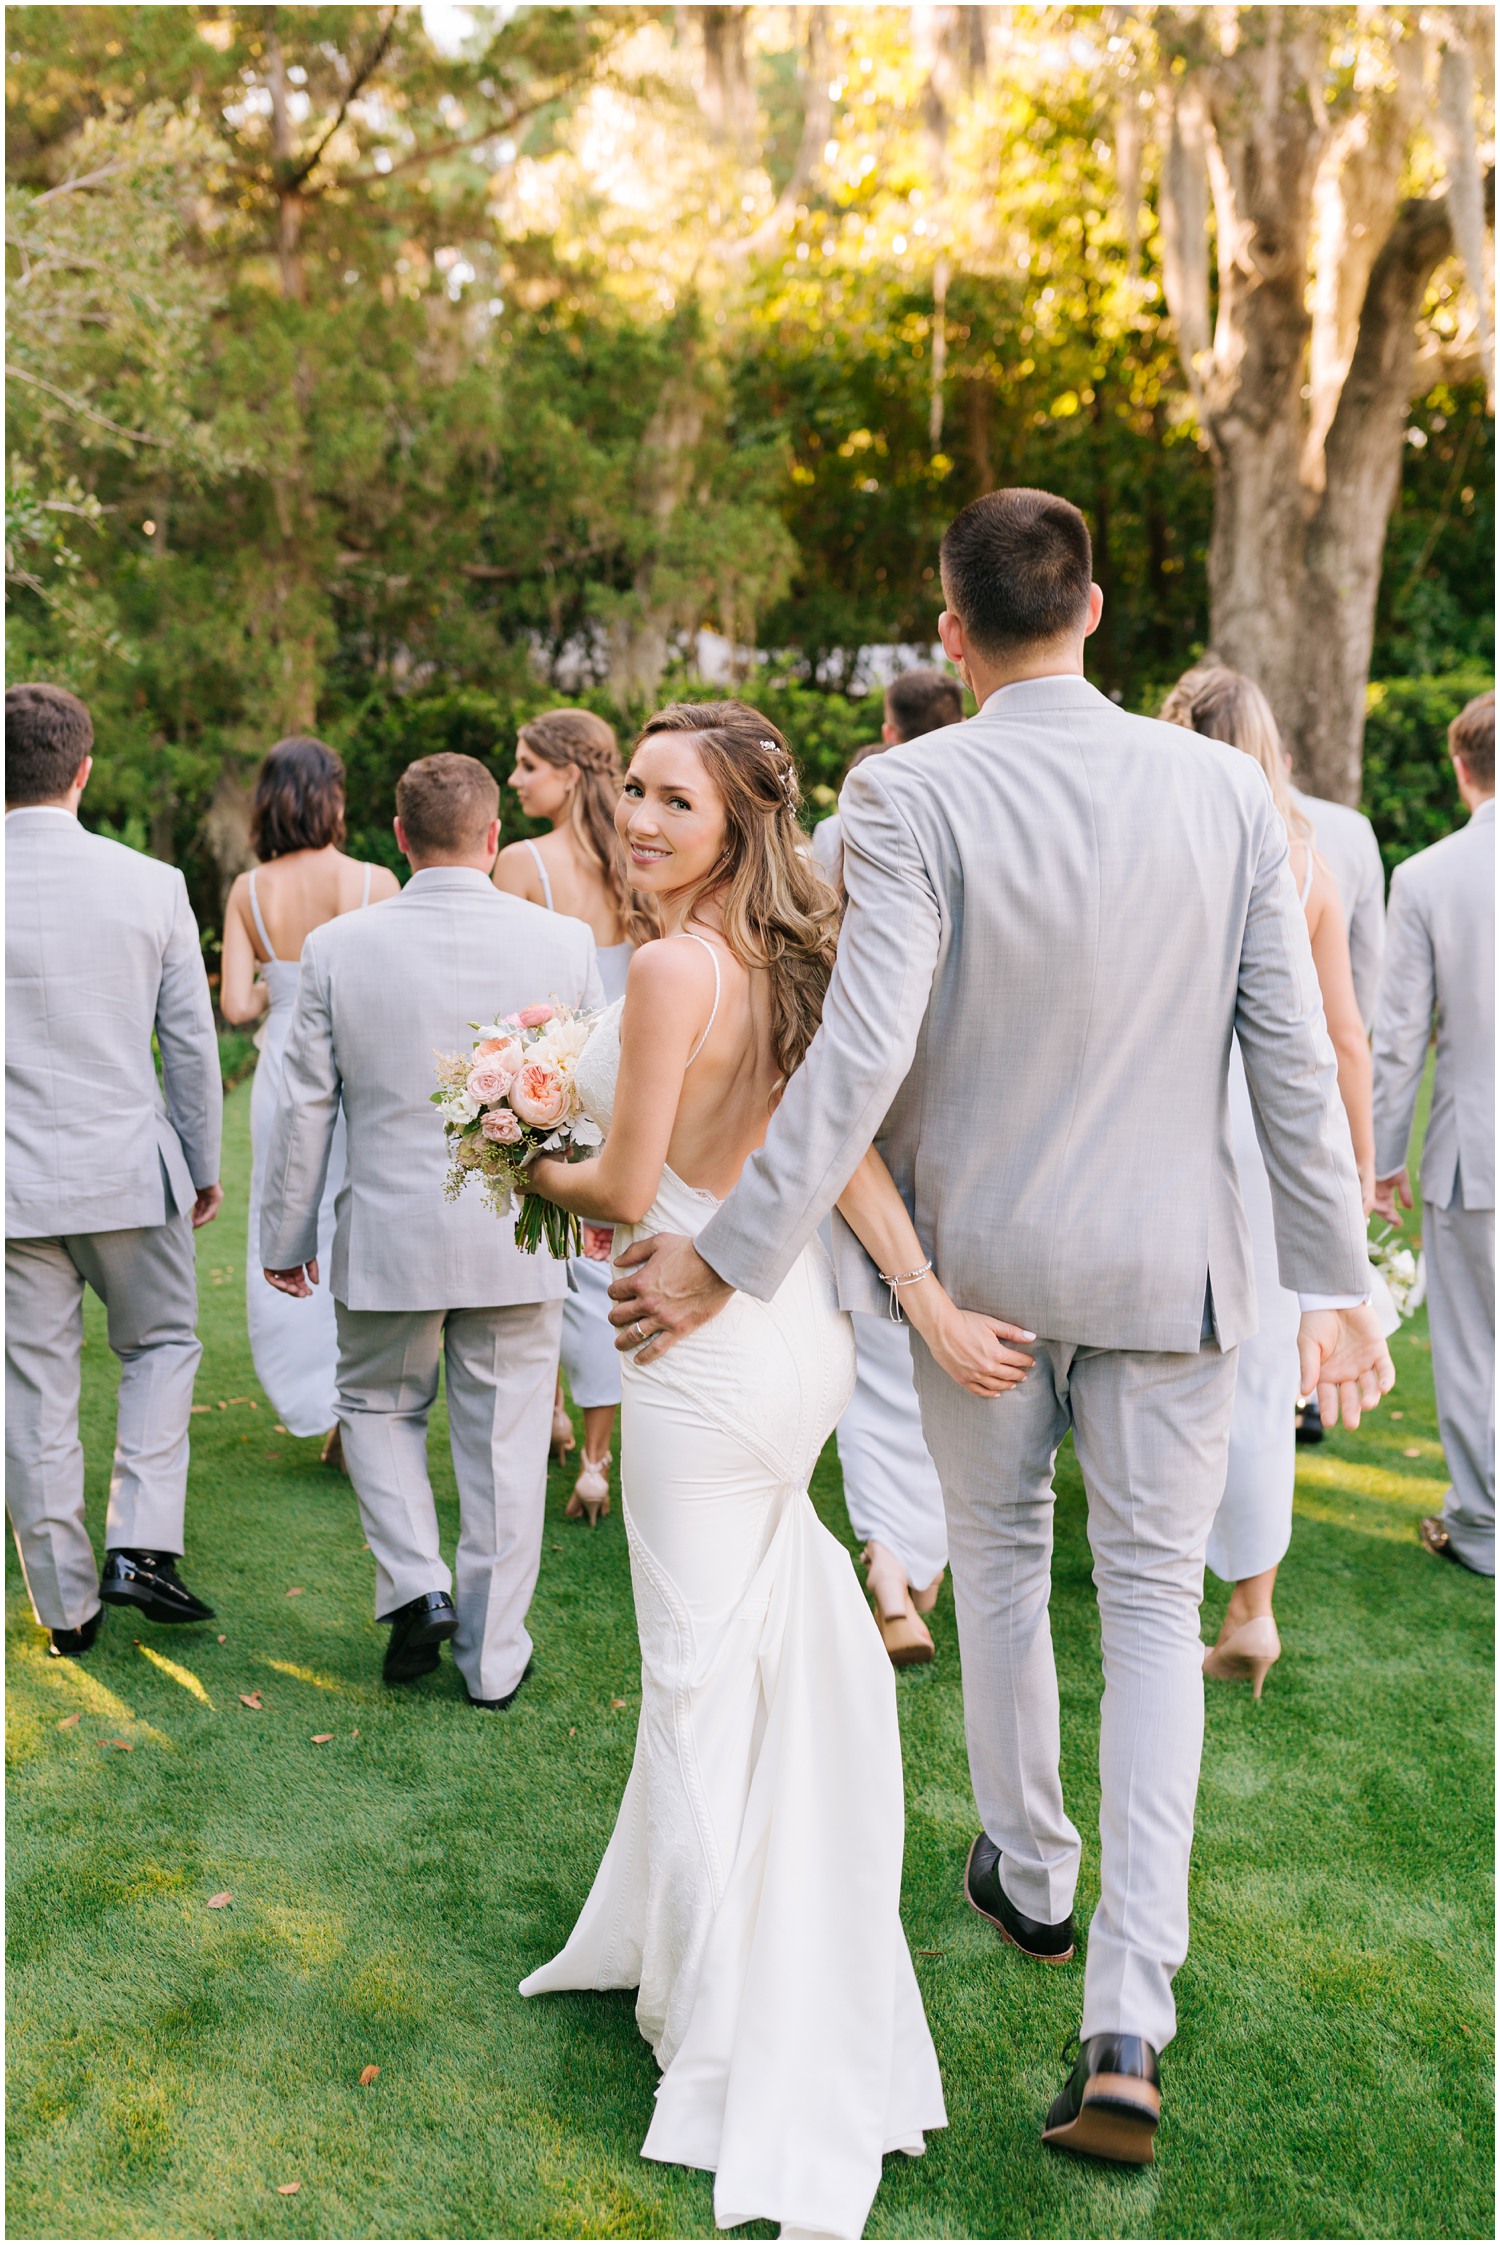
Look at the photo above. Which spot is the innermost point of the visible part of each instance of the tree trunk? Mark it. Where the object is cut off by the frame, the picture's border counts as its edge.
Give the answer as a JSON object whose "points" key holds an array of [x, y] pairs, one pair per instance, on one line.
{"points": [[1303, 384]]}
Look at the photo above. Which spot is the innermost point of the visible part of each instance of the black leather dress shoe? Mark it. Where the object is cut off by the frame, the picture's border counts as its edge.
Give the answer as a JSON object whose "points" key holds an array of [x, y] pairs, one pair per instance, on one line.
{"points": [[418, 1630], [149, 1581], [1049, 1944], [67, 1644], [1111, 2103], [1309, 1421], [499, 1705], [1435, 1539]]}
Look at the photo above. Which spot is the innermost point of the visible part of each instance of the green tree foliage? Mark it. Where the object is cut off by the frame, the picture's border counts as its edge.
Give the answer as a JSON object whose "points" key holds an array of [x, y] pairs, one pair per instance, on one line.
{"points": [[451, 381]]}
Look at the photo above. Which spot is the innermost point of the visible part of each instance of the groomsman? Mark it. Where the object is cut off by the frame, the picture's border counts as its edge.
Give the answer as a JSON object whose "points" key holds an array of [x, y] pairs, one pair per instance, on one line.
{"points": [[1440, 973], [419, 1280], [108, 1173]]}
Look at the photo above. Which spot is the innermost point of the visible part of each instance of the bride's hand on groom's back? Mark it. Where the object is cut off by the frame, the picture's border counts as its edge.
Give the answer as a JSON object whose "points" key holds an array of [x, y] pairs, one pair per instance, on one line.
{"points": [[977, 1350]]}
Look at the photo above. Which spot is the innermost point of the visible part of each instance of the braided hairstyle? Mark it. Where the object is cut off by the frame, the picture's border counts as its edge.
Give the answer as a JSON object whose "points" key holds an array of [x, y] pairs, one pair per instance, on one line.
{"points": [[779, 912], [576, 736]]}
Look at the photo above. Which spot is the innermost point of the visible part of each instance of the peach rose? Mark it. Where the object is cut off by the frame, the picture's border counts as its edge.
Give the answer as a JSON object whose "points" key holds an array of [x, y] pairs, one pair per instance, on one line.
{"points": [[539, 1094], [534, 1016], [500, 1127], [504, 1052], [489, 1082]]}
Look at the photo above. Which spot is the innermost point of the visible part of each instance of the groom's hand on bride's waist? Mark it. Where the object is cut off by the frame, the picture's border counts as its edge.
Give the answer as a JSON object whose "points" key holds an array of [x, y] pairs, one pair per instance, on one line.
{"points": [[662, 1290]]}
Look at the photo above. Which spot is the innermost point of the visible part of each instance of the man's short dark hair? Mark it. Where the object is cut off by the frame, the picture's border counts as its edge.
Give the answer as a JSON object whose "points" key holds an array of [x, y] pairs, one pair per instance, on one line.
{"points": [[48, 733], [1016, 569], [1472, 736], [921, 701], [446, 802]]}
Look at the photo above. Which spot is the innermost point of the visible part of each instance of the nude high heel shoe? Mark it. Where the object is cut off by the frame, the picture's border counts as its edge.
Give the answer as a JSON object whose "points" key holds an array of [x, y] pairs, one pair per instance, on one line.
{"points": [[901, 1627], [1246, 1656], [925, 1600], [590, 1491], [563, 1437]]}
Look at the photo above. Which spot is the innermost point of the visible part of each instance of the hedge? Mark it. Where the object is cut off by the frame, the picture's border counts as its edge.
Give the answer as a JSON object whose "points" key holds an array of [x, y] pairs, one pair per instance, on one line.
{"points": [[1408, 782]]}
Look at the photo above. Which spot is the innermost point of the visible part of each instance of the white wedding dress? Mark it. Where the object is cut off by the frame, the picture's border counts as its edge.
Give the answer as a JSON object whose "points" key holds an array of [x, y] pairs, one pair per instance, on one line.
{"points": [[751, 1889]]}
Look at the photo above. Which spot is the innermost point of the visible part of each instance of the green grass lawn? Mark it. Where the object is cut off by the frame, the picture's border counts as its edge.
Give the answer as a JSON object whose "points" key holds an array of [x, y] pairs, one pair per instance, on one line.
{"points": [[171, 2065]]}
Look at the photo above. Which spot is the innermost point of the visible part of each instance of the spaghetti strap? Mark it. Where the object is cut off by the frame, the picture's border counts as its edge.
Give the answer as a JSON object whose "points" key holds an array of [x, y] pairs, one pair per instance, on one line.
{"points": [[1308, 877], [364, 900], [541, 866], [684, 935], [260, 925]]}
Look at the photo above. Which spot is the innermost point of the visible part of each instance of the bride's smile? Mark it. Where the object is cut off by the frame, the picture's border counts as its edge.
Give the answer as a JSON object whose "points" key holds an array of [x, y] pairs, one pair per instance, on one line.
{"points": [[670, 817]]}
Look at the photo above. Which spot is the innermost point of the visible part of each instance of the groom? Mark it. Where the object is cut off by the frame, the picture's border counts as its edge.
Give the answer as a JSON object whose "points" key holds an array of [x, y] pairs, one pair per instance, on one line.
{"points": [[1058, 916]]}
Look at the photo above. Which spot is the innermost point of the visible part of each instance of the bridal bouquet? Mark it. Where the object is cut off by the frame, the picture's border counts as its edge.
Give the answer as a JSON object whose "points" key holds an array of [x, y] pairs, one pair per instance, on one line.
{"points": [[1393, 1261], [508, 1100]]}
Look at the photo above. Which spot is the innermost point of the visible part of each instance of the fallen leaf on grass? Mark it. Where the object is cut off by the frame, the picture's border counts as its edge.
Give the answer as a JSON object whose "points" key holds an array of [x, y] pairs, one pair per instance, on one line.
{"points": [[1398, 1414], [929, 1952], [617, 1703], [279, 1428], [1411, 1453], [354, 1734], [123, 1744], [297, 1593], [197, 1407], [288, 2190], [572, 1730], [223, 1640], [251, 1699], [220, 1901], [368, 2076], [69, 1720], [323, 1738]]}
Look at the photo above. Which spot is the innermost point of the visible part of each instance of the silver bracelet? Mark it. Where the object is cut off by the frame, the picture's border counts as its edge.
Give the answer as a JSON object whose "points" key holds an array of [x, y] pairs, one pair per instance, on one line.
{"points": [[896, 1280]]}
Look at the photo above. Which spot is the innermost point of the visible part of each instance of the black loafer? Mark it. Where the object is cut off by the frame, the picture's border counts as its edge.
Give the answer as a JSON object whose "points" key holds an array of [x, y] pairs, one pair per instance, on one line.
{"points": [[1309, 1421], [149, 1581], [498, 1706], [67, 1644], [418, 1630], [1111, 2103], [1048, 1944]]}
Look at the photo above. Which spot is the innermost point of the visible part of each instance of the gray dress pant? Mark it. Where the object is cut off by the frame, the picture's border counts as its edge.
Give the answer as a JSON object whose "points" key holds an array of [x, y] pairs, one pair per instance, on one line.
{"points": [[1151, 1433], [501, 1369], [1459, 1245], [147, 1281]]}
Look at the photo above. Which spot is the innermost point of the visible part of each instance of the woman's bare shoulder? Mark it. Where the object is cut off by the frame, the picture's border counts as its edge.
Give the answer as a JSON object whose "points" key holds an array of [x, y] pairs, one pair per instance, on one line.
{"points": [[515, 870]]}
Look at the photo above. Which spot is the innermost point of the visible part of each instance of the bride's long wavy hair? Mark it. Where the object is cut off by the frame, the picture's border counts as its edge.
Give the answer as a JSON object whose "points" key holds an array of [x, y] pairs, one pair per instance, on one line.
{"points": [[779, 912]]}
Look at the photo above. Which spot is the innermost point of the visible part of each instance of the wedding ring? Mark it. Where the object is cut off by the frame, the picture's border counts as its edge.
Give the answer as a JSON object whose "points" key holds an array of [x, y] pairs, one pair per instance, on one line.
{"points": [[640, 1331]]}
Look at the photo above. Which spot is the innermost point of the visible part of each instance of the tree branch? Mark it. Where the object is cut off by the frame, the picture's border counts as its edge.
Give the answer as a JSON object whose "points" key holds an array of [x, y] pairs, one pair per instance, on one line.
{"points": [[89, 412], [360, 79]]}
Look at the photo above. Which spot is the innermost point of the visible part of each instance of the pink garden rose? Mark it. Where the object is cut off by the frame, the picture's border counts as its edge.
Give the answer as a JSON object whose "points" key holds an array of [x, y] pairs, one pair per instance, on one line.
{"points": [[500, 1127], [488, 1081], [538, 1094], [534, 1016]]}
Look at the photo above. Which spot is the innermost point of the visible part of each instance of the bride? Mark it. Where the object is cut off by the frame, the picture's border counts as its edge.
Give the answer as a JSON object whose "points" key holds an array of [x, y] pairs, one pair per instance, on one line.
{"points": [[751, 1889]]}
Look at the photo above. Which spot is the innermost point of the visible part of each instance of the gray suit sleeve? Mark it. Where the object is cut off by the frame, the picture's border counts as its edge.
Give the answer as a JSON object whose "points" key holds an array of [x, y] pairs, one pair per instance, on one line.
{"points": [[307, 1114], [841, 1094], [1403, 1026], [191, 1082], [1293, 1080], [1367, 930]]}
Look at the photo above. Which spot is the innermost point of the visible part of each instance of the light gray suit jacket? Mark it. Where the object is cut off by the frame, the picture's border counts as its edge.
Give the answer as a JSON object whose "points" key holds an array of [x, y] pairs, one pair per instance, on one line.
{"points": [[381, 992], [1440, 970], [1345, 840], [101, 947], [1058, 916]]}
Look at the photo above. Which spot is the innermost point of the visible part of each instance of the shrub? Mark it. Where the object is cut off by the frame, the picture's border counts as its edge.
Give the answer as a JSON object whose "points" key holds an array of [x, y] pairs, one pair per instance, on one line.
{"points": [[1409, 791]]}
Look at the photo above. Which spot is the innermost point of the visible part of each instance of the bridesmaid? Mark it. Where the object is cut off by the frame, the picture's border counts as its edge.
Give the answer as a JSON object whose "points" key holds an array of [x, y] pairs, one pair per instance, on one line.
{"points": [[303, 879], [568, 772], [1254, 1523]]}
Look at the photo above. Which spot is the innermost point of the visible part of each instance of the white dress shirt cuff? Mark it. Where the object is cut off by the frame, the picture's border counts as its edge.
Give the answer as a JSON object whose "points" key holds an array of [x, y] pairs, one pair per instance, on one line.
{"points": [[1307, 1302]]}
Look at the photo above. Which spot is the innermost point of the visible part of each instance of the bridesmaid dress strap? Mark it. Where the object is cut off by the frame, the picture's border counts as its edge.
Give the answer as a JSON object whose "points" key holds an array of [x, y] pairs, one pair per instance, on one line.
{"points": [[541, 866], [1308, 878], [364, 900], [684, 935], [260, 925]]}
